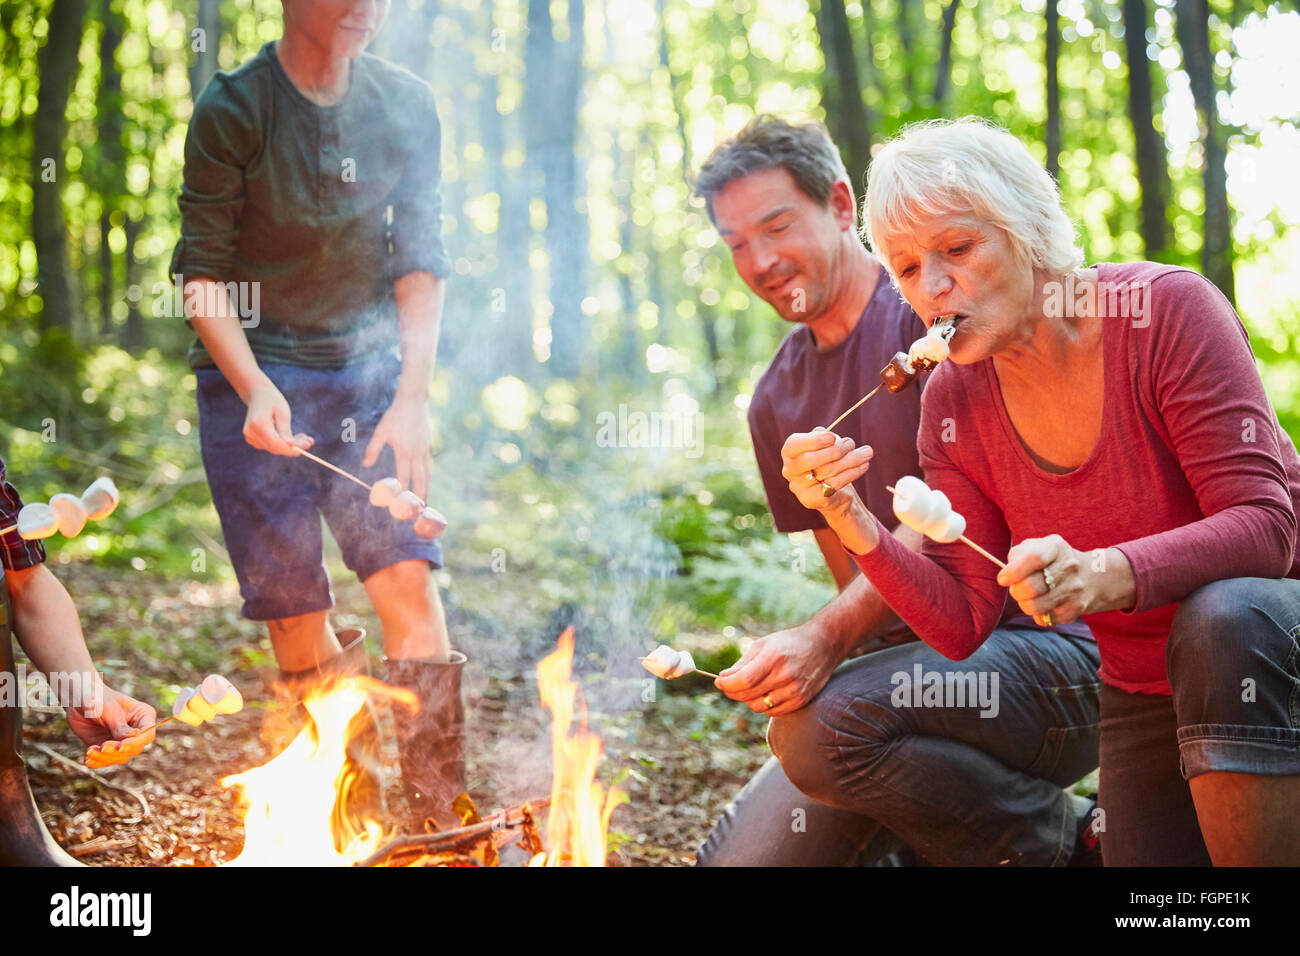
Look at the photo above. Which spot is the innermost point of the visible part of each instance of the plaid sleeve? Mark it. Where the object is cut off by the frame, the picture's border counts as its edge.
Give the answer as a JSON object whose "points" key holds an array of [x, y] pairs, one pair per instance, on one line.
{"points": [[15, 552]]}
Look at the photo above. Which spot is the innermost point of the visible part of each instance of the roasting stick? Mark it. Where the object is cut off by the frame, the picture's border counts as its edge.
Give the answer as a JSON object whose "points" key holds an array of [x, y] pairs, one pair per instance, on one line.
{"points": [[999, 563], [825, 487], [333, 467], [157, 725], [845, 414], [695, 671]]}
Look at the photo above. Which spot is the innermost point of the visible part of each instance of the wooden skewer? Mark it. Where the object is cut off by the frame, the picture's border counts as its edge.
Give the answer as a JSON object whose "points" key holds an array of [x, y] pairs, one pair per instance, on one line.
{"points": [[845, 414], [827, 490], [1001, 564], [335, 468], [157, 725]]}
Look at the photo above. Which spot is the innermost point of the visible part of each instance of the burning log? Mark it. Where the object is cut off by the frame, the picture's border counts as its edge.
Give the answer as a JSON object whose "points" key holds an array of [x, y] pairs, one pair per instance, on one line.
{"points": [[451, 841]]}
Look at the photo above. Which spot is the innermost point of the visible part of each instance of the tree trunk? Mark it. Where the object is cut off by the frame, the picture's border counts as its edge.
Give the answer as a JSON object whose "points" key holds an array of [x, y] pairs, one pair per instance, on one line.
{"points": [[842, 92], [110, 179], [554, 73], [133, 337], [1192, 28], [204, 63], [57, 65], [1052, 59], [908, 41], [942, 75], [511, 301], [871, 92], [1153, 170], [674, 92]]}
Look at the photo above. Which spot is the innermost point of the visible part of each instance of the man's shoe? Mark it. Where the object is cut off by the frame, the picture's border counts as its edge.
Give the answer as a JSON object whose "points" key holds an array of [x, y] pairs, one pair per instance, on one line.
{"points": [[431, 741]]}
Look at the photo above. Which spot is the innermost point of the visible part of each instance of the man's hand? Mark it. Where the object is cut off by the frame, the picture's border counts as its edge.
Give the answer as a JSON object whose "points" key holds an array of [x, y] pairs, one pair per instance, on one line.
{"points": [[405, 428], [268, 420], [789, 668], [115, 735]]}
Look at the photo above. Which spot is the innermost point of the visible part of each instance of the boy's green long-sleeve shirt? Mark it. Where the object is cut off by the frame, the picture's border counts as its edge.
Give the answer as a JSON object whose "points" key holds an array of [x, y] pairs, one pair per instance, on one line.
{"points": [[324, 207]]}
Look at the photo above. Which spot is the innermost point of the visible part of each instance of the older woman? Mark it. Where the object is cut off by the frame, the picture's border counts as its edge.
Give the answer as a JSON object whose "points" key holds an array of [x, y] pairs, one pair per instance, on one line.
{"points": [[1112, 422]]}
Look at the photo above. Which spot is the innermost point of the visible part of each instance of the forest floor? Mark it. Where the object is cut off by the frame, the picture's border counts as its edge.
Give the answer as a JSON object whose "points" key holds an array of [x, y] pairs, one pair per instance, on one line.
{"points": [[679, 756]]}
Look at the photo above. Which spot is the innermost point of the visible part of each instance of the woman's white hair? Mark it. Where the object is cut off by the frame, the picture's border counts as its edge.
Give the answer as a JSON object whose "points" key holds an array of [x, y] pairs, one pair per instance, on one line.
{"points": [[970, 166]]}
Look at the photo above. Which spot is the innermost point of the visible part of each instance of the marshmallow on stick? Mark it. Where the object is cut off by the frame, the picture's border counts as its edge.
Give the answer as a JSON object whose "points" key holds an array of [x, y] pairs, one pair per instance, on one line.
{"points": [[216, 695], [928, 511], [193, 706], [66, 514], [100, 498], [668, 663]]}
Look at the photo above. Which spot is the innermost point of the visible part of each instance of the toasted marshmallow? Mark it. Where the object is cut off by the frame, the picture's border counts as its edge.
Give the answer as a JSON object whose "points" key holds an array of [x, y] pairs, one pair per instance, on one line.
{"points": [[100, 498], [181, 710], [37, 520], [430, 523], [383, 492], [405, 506], [221, 694], [72, 514]]}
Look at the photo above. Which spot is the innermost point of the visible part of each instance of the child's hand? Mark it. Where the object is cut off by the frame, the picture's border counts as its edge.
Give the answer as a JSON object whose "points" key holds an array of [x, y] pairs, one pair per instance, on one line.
{"points": [[267, 423], [405, 426], [114, 735]]}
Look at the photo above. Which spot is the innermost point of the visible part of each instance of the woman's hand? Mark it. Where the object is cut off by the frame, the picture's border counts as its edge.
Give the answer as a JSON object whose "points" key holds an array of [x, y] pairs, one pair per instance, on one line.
{"points": [[784, 670], [814, 461], [404, 427], [268, 420], [817, 462], [114, 735], [1055, 584]]}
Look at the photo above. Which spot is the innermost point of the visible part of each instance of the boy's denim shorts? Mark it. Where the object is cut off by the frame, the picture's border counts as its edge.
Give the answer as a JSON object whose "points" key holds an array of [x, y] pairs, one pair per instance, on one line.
{"points": [[271, 505]]}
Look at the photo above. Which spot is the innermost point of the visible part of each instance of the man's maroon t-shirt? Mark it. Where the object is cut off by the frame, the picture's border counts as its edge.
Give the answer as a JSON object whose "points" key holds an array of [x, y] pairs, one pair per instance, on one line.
{"points": [[806, 386]]}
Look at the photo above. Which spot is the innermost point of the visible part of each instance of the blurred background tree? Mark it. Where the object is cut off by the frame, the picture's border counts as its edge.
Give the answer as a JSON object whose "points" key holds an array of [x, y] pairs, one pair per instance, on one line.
{"points": [[586, 279]]}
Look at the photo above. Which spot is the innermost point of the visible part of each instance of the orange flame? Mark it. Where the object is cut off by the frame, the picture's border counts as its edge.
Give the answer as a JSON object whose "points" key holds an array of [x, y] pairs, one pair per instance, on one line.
{"points": [[289, 802], [580, 807]]}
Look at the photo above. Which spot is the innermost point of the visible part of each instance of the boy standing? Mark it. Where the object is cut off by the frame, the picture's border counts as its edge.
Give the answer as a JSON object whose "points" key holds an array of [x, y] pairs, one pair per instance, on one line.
{"points": [[310, 244]]}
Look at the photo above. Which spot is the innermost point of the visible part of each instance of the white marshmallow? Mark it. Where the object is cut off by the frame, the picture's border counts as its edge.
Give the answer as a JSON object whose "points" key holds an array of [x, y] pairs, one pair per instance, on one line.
{"points": [[37, 520], [911, 499], [668, 663], [405, 506], [383, 492], [953, 529], [72, 514], [100, 498], [926, 510]]}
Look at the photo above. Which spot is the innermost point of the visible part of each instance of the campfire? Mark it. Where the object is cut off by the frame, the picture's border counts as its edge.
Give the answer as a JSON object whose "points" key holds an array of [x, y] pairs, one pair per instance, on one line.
{"points": [[289, 803]]}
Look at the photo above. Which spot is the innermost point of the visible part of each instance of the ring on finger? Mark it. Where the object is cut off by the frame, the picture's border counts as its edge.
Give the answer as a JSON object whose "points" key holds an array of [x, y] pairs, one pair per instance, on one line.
{"points": [[827, 490], [1045, 619], [767, 702], [1049, 579]]}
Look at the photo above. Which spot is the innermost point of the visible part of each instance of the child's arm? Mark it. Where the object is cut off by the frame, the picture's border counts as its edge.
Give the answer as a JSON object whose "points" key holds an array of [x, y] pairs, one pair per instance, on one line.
{"points": [[268, 423], [405, 426], [49, 631]]}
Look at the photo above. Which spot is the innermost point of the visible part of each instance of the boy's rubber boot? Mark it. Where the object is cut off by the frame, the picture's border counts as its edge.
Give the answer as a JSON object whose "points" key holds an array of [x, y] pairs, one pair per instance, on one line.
{"points": [[24, 841], [432, 741], [363, 782]]}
